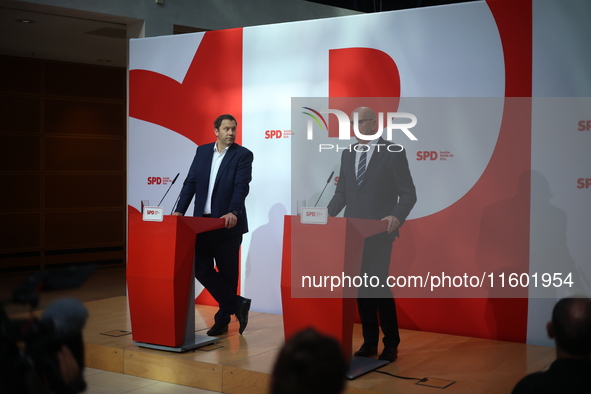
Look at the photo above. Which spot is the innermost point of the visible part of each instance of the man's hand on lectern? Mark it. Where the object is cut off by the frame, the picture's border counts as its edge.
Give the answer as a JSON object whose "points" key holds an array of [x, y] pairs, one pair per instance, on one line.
{"points": [[393, 223]]}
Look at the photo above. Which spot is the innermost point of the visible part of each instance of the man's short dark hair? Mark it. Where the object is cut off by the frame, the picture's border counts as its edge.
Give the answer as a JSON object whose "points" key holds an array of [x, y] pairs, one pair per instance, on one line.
{"points": [[218, 122], [571, 321], [309, 363]]}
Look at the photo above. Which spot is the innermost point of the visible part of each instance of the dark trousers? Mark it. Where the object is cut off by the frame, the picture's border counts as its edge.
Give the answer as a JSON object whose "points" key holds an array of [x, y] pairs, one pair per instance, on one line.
{"points": [[376, 305], [213, 247]]}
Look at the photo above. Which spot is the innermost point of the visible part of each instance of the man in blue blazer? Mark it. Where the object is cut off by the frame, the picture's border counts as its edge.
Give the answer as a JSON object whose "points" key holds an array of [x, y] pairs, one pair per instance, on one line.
{"points": [[375, 183], [219, 180]]}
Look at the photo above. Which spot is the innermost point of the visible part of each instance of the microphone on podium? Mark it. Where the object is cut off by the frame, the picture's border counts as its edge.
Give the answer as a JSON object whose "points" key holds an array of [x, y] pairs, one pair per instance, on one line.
{"points": [[327, 182], [178, 197], [173, 181]]}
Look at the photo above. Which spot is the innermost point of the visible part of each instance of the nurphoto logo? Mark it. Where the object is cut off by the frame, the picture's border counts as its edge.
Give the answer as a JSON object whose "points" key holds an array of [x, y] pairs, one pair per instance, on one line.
{"points": [[345, 122], [345, 125]]}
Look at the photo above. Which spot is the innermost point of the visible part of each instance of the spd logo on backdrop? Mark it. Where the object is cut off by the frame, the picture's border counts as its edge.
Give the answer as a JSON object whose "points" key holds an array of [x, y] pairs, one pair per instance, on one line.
{"points": [[158, 180], [277, 134], [431, 155]]}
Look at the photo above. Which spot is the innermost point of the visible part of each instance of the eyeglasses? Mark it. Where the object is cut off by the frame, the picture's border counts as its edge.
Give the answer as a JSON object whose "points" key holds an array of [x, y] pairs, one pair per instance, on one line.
{"points": [[360, 121]]}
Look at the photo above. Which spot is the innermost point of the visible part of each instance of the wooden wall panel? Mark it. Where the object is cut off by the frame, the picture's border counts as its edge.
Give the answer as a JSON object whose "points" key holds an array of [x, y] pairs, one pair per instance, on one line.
{"points": [[76, 229], [18, 262], [84, 154], [20, 231], [67, 257], [20, 75], [19, 153], [84, 81], [21, 192], [85, 117], [63, 163], [77, 191], [20, 114]]}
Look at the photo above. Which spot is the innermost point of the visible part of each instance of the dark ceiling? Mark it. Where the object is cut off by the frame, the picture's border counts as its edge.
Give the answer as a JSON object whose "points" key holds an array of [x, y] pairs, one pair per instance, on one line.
{"points": [[81, 37], [385, 5]]}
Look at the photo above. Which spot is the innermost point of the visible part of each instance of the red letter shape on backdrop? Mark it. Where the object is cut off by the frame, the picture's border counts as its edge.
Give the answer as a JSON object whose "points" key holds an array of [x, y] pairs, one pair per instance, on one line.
{"points": [[362, 73], [212, 86]]}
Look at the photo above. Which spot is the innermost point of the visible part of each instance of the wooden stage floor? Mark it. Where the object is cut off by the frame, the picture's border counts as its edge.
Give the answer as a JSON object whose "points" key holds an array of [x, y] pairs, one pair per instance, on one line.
{"points": [[242, 363]]}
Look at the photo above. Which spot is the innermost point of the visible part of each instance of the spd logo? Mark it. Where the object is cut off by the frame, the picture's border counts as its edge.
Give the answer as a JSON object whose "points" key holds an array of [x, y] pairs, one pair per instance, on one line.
{"points": [[277, 134], [584, 125], [431, 155], [427, 155], [583, 183], [157, 180]]}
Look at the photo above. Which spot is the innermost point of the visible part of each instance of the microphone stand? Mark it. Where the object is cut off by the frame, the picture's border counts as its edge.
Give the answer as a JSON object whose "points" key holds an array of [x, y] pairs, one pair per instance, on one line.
{"points": [[327, 181], [173, 181]]}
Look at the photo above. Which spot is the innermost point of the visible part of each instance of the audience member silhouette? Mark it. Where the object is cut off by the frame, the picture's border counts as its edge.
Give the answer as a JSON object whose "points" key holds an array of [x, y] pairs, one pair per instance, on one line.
{"points": [[569, 373], [309, 363]]}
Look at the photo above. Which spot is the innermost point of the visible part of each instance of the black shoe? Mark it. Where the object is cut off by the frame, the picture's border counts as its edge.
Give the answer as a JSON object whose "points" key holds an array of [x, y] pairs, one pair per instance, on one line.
{"points": [[242, 313], [366, 350], [389, 354], [217, 330]]}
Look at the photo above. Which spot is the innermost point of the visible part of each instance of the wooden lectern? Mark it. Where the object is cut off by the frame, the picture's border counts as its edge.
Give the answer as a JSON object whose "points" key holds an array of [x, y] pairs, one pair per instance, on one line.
{"points": [[160, 281], [316, 250]]}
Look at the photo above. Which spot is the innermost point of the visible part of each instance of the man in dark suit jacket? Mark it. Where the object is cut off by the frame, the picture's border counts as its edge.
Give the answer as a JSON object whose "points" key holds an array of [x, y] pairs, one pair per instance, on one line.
{"points": [[219, 180], [375, 183]]}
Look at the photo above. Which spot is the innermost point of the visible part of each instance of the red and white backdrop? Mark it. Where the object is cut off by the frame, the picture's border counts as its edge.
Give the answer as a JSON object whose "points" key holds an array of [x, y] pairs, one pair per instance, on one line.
{"points": [[501, 163]]}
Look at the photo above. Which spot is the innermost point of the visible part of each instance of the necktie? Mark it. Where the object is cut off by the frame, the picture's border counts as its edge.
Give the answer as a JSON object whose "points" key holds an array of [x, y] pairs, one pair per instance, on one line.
{"points": [[361, 167]]}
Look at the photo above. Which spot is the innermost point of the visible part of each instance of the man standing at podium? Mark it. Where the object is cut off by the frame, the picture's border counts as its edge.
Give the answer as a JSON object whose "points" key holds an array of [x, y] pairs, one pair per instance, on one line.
{"points": [[219, 179], [375, 183]]}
